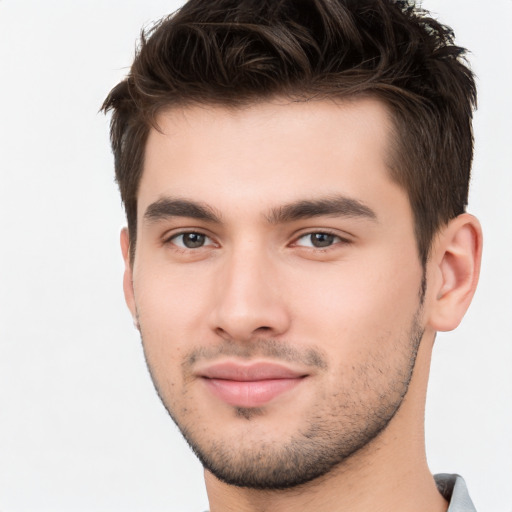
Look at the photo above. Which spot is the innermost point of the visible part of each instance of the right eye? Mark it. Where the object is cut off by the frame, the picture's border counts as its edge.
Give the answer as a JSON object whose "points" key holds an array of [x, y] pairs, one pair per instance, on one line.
{"points": [[191, 240]]}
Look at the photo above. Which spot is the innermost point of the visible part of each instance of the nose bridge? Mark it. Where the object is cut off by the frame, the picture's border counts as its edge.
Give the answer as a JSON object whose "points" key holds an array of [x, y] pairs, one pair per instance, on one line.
{"points": [[249, 301]]}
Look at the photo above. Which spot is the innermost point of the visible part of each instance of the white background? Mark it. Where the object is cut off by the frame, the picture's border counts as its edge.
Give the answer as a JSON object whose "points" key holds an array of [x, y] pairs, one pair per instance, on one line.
{"points": [[81, 428]]}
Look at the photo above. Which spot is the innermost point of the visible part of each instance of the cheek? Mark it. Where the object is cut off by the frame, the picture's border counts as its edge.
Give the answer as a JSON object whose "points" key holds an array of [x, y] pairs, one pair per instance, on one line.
{"points": [[169, 299], [170, 307], [352, 304]]}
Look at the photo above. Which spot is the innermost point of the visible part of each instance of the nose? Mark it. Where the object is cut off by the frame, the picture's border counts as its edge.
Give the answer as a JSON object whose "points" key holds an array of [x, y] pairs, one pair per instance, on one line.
{"points": [[250, 300]]}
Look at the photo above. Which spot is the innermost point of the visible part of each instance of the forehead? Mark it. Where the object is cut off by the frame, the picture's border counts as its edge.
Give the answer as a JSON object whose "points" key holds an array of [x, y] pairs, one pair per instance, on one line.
{"points": [[268, 152]]}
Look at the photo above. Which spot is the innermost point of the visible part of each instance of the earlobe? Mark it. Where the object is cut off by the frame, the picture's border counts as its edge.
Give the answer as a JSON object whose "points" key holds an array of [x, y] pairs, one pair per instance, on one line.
{"points": [[128, 276], [456, 258]]}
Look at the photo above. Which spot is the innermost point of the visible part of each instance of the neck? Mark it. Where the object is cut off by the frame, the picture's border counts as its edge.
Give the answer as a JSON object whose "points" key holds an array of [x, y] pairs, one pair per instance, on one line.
{"points": [[390, 474]]}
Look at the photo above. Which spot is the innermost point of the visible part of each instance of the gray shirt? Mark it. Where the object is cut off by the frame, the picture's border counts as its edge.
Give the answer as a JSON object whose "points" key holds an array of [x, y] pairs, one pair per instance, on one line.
{"points": [[454, 489]]}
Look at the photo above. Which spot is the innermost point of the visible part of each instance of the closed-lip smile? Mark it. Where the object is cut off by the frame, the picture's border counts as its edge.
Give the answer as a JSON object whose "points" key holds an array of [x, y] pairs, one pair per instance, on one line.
{"points": [[249, 385]]}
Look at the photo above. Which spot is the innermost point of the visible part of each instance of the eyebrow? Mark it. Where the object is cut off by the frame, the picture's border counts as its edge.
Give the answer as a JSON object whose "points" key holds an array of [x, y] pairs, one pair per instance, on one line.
{"points": [[333, 206], [167, 207]]}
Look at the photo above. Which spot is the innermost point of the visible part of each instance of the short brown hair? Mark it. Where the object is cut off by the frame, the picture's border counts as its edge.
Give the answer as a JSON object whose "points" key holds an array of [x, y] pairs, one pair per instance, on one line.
{"points": [[234, 52]]}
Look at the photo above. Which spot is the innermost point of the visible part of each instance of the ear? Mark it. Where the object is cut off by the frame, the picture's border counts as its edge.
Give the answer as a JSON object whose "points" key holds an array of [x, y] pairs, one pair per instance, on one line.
{"points": [[456, 258], [128, 276]]}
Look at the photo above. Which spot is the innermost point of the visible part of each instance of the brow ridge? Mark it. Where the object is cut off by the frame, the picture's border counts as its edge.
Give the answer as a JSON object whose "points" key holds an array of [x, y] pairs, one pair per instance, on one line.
{"points": [[333, 206], [167, 207]]}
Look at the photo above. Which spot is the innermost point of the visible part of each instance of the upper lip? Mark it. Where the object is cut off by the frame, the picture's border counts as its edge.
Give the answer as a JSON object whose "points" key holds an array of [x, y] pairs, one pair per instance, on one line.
{"points": [[246, 372]]}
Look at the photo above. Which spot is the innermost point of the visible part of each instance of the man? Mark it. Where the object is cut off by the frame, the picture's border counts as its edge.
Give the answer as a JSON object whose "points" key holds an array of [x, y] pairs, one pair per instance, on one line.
{"points": [[295, 178]]}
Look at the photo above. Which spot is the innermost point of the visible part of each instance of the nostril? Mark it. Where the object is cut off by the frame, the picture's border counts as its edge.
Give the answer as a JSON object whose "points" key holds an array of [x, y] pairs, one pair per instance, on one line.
{"points": [[263, 329], [221, 332]]}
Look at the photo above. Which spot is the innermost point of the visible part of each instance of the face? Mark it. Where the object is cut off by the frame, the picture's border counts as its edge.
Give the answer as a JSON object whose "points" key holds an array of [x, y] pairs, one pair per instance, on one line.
{"points": [[276, 284]]}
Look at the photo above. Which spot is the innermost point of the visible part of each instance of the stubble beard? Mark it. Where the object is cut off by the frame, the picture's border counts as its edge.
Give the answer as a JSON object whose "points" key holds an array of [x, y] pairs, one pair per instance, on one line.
{"points": [[336, 430]]}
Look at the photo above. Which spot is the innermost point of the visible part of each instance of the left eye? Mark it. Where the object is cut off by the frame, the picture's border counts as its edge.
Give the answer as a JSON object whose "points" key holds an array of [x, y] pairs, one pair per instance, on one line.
{"points": [[318, 240], [191, 240]]}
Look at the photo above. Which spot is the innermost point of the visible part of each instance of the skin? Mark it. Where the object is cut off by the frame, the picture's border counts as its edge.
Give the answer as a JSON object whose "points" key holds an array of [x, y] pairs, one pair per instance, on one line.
{"points": [[257, 289]]}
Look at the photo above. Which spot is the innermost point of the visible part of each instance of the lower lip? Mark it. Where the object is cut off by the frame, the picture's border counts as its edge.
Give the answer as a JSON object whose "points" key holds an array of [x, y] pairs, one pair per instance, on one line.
{"points": [[250, 393]]}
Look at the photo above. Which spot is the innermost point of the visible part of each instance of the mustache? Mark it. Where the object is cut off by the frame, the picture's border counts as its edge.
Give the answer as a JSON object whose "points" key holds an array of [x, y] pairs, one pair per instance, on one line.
{"points": [[268, 348]]}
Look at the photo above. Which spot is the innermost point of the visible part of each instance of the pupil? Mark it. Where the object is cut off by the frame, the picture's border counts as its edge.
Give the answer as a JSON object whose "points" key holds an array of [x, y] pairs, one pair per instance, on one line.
{"points": [[322, 239], [193, 240]]}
